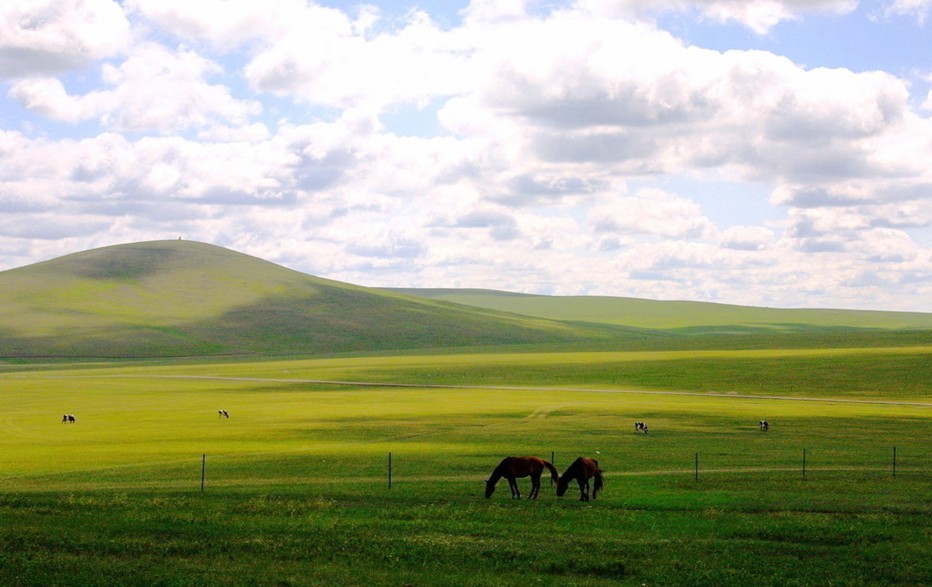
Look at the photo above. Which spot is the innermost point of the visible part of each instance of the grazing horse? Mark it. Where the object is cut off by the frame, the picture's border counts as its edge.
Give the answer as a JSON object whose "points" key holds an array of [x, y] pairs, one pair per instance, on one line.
{"points": [[223, 414], [582, 470], [640, 427], [68, 418], [513, 467], [764, 425]]}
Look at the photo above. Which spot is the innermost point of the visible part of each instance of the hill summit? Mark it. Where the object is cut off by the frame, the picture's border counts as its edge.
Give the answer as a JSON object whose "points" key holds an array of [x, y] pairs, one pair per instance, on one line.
{"points": [[178, 298]]}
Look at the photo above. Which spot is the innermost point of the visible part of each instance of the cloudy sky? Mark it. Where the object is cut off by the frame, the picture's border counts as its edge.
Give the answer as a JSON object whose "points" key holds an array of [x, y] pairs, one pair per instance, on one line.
{"points": [[760, 152]]}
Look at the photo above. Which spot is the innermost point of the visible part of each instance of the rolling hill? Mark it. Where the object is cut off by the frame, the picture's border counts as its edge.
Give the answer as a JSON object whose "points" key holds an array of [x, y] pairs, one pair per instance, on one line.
{"points": [[180, 298], [677, 315], [184, 298]]}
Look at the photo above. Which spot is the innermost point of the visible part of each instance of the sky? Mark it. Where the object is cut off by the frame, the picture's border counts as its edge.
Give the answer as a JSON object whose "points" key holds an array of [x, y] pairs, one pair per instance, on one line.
{"points": [[758, 152]]}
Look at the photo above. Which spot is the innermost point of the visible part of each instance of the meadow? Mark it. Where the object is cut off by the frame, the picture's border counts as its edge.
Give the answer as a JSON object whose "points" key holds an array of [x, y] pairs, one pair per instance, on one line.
{"points": [[296, 487]]}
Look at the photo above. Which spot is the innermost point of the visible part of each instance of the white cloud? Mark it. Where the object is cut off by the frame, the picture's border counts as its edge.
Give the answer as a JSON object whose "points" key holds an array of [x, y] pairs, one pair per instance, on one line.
{"points": [[747, 238], [226, 23], [331, 62], [54, 36], [650, 212], [887, 246], [918, 8], [154, 89], [48, 97], [636, 97], [488, 11], [758, 15]]}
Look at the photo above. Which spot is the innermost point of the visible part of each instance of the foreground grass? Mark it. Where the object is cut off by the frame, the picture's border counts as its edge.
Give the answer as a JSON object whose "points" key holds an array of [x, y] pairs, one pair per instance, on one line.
{"points": [[296, 486], [651, 531]]}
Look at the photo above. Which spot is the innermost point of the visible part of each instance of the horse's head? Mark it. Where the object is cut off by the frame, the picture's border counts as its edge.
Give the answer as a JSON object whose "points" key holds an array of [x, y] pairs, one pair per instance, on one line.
{"points": [[489, 488], [562, 484]]}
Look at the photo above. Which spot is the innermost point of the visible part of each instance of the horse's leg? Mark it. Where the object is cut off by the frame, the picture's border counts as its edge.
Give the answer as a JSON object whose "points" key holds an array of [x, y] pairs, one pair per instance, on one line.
{"points": [[583, 490], [515, 490], [535, 486]]}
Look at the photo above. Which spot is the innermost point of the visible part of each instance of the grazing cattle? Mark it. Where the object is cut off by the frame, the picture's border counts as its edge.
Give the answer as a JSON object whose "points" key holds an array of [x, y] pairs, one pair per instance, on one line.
{"points": [[640, 427], [582, 470], [223, 414], [512, 467], [764, 425], [68, 418]]}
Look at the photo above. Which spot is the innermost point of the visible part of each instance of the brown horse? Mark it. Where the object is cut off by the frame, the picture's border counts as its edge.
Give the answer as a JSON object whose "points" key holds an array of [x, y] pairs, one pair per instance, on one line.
{"points": [[513, 467], [582, 470]]}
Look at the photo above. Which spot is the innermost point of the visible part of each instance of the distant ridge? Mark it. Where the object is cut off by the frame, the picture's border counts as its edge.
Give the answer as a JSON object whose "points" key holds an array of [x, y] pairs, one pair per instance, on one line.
{"points": [[667, 315], [178, 298]]}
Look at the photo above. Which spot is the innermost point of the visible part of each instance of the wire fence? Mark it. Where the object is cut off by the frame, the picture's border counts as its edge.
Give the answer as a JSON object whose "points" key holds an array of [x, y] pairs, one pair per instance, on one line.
{"points": [[393, 469]]}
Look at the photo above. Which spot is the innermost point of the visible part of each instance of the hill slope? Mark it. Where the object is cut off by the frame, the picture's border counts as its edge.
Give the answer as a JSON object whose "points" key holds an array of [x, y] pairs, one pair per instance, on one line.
{"points": [[171, 298], [182, 298], [677, 315]]}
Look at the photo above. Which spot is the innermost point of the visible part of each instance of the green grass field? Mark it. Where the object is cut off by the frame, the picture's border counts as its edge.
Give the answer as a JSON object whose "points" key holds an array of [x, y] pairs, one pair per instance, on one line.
{"points": [[296, 486]]}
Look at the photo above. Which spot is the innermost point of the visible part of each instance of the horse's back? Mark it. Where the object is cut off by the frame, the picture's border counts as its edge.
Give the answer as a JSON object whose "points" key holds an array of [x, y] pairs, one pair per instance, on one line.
{"points": [[583, 467], [521, 466]]}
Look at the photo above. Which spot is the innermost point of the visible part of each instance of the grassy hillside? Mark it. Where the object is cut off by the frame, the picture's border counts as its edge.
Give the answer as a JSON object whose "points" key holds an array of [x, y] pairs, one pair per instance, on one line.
{"points": [[170, 298], [181, 298], [679, 315]]}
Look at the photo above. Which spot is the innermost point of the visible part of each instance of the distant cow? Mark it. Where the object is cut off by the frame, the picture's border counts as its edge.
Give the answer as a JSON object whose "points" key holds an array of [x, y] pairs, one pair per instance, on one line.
{"points": [[68, 418], [223, 414], [640, 427], [764, 426]]}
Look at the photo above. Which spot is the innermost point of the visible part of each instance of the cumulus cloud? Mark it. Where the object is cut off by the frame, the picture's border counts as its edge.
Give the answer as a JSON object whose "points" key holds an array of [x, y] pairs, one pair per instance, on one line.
{"points": [[758, 15], [330, 59], [918, 8], [638, 97], [747, 238], [318, 54], [650, 212], [54, 36], [154, 89]]}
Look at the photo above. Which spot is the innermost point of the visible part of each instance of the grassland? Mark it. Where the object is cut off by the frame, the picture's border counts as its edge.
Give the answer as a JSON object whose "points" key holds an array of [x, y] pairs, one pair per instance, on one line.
{"points": [[296, 486], [144, 343]]}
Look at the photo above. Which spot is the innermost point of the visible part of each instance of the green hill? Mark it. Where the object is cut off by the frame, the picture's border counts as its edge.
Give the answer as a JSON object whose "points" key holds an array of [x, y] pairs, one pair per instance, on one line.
{"points": [[680, 316], [182, 298], [176, 298]]}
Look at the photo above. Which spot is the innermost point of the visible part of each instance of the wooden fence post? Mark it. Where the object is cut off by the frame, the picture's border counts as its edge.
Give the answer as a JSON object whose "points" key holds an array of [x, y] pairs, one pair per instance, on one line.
{"points": [[697, 466], [389, 470]]}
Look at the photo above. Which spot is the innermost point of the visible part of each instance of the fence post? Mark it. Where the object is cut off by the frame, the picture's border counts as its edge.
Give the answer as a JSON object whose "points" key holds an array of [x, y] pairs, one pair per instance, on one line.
{"points": [[203, 470], [553, 461], [697, 466], [389, 470]]}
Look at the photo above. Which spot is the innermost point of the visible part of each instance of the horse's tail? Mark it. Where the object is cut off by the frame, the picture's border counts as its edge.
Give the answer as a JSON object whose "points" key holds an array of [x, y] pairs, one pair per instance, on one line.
{"points": [[598, 484], [554, 475]]}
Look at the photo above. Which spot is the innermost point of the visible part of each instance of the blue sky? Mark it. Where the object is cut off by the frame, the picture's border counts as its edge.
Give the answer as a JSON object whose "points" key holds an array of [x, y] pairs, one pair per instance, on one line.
{"points": [[759, 152]]}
